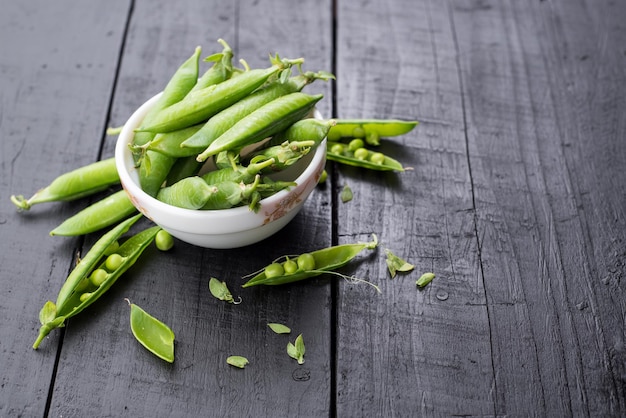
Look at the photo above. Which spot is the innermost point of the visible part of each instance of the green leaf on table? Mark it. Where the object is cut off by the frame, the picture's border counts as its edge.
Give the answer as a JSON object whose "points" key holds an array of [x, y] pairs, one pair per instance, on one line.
{"points": [[425, 279], [296, 350], [279, 328], [396, 264], [220, 290], [237, 361], [346, 194]]}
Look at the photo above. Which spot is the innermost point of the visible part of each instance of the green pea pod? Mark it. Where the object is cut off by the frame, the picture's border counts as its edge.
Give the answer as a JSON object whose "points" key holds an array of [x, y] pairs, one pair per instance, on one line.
{"points": [[225, 119], [222, 68], [346, 156], [153, 334], [284, 155], [369, 128], [325, 260], [180, 84], [81, 182], [200, 105], [154, 170], [264, 122], [183, 168], [97, 216], [169, 143], [78, 291]]}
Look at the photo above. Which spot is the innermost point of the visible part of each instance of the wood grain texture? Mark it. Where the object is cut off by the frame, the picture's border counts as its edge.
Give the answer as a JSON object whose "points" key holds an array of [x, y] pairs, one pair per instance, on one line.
{"points": [[55, 88], [542, 196]]}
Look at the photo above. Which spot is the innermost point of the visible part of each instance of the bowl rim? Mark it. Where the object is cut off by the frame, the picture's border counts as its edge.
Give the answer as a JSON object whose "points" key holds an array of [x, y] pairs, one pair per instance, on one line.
{"points": [[123, 159]]}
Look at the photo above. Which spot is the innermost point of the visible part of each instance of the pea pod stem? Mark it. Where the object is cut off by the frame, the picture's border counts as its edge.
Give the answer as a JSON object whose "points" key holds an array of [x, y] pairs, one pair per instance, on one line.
{"points": [[81, 182]]}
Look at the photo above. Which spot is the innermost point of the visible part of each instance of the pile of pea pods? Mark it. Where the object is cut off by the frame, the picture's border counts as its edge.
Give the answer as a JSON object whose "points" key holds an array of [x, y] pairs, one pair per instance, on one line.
{"points": [[248, 123]]}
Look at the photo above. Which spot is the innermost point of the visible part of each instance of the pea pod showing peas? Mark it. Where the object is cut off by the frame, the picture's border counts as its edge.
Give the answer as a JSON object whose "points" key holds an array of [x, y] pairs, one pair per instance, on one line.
{"points": [[361, 157], [94, 274], [309, 264]]}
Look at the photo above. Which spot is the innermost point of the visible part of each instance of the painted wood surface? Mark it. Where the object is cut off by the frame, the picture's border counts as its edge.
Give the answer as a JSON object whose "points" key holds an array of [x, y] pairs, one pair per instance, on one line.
{"points": [[514, 198]]}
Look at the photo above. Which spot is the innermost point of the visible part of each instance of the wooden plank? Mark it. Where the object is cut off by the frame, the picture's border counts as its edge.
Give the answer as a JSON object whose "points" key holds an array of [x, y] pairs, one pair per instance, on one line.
{"points": [[55, 90], [543, 84], [102, 367], [405, 351]]}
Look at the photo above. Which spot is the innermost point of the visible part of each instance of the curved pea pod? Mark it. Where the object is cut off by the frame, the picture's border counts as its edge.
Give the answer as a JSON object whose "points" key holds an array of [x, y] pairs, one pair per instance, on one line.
{"points": [[99, 215], [222, 68], [78, 291], [375, 160], [201, 104], [264, 122], [230, 194], [225, 119], [183, 168], [370, 129], [154, 170], [180, 84], [325, 260], [81, 182], [309, 129]]}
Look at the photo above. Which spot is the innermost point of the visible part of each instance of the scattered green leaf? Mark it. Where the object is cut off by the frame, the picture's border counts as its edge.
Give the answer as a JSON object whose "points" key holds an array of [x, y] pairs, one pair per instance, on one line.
{"points": [[279, 328], [237, 361], [220, 290], [425, 279], [346, 194], [153, 334], [296, 351], [396, 264]]}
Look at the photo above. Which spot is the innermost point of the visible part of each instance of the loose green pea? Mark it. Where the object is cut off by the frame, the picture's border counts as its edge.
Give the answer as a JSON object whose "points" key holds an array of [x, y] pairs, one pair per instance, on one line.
{"points": [[274, 270], [323, 177], [361, 154], [164, 240], [377, 158], [358, 132], [337, 149], [98, 276], [355, 144], [306, 262], [85, 296], [113, 262], [290, 266]]}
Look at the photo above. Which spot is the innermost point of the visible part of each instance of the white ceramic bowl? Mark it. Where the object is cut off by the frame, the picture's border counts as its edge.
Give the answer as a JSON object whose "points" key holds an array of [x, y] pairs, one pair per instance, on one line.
{"points": [[225, 228]]}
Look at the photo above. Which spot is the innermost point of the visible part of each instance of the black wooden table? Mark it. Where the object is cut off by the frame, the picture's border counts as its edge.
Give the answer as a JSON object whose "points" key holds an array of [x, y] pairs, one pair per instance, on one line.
{"points": [[516, 201]]}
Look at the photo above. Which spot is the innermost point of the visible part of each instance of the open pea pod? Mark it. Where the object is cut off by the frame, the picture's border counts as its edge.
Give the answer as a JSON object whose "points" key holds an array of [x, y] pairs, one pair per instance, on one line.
{"points": [[323, 261], [370, 129], [80, 289], [375, 161]]}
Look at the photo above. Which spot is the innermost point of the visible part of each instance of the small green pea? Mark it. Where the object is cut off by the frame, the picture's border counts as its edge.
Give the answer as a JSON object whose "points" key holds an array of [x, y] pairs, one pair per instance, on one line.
{"points": [[358, 132], [164, 240], [85, 296], [355, 144], [337, 149], [98, 277], [306, 262], [377, 158], [334, 135], [113, 262], [323, 177], [290, 266], [361, 154], [274, 270]]}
